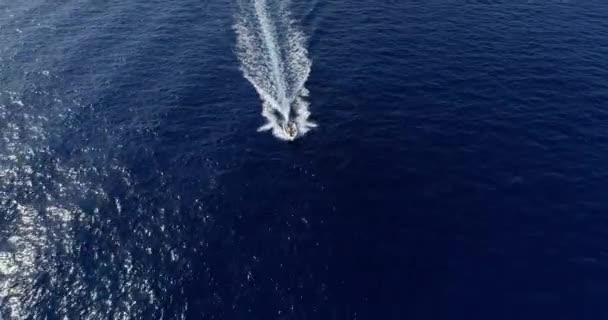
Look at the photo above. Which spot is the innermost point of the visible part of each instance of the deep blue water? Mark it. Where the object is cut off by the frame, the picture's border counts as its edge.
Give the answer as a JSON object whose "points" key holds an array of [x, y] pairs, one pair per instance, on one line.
{"points": [[458, 171]]}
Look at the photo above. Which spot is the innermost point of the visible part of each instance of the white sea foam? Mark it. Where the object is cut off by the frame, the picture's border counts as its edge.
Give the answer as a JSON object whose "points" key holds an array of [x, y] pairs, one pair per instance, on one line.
{"points": [[273, 56]]}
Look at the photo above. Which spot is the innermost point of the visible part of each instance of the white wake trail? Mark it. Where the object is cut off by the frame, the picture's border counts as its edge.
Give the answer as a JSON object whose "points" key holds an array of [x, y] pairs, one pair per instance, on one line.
{"points": [[273, 53], [273, 56]]}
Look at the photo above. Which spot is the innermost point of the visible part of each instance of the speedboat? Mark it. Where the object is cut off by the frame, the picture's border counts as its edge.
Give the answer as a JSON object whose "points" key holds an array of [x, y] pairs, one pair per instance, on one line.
{"points": [[291, 130]]}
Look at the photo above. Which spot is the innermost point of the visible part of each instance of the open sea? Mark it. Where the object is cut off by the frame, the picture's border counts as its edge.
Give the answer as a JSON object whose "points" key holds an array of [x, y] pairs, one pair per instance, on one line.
{"points": [[451, 162]]}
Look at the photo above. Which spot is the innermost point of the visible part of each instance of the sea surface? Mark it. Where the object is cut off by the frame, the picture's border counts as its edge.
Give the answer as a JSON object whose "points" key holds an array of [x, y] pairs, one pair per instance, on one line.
{"points": [[459, 169]]}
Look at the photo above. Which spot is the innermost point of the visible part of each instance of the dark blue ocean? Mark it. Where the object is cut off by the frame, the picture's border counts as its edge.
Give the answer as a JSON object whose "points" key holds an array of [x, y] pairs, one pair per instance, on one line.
{"points": [[459, 169]]}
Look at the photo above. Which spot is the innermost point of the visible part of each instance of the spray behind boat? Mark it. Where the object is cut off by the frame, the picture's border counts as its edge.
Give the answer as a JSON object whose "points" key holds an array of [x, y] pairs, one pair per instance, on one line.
{"points": [[273, 57]]}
